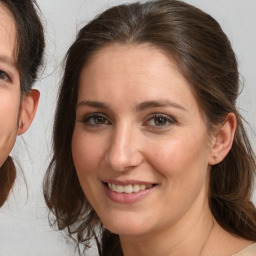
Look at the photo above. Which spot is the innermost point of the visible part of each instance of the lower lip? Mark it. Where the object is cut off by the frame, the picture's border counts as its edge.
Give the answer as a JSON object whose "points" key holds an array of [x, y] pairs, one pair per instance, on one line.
{"points": [[124, 198]]}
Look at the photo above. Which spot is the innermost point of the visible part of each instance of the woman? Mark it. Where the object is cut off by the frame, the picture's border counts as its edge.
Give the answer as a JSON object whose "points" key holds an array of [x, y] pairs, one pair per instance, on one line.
{"points": [[21, 51], [150, 153]]}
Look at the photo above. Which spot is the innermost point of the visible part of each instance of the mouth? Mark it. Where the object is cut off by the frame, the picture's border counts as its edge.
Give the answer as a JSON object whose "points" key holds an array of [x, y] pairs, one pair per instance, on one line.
{"points": [[129, 188], [128, 192]]}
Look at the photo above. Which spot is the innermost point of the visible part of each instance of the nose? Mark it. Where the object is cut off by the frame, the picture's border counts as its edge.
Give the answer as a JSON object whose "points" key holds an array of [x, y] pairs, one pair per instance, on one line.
{"points": [[124, 149]]}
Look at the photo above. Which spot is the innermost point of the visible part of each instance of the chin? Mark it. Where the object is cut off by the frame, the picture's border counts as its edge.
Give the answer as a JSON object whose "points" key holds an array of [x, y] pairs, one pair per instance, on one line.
{"points": [[126, 231], [125, 226]]}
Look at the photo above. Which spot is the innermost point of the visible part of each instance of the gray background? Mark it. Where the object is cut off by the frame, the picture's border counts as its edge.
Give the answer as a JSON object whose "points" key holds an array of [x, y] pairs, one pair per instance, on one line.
{"points": [[24, 229]]}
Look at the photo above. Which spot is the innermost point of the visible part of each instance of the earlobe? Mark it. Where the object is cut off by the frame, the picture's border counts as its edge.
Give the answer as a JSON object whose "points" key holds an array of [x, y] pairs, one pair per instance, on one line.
{"points": [[223, 140], [28, 110]]}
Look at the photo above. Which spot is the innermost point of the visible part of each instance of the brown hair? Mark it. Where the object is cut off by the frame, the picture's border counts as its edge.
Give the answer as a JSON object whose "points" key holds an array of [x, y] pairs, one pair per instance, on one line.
{"points": [[29, 48], [205, 57]]}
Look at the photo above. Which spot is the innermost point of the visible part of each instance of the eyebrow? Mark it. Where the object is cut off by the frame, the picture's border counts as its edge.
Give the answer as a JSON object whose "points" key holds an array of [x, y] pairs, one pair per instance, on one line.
{"points": [[94, 104], [140, 107], [159, 103]]}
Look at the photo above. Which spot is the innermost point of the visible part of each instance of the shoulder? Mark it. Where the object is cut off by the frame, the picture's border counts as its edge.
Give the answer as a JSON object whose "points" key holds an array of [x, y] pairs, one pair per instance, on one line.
{"points": [[248, 251]]}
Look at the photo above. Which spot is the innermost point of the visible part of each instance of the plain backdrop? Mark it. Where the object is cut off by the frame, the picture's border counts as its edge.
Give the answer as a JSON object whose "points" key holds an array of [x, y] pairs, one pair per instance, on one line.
{"points": [[24, 229]]}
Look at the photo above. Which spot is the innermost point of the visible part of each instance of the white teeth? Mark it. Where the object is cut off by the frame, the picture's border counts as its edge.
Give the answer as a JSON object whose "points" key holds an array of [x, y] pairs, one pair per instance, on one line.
{"points": [[119, 189], [136, 188], [128, 189]]}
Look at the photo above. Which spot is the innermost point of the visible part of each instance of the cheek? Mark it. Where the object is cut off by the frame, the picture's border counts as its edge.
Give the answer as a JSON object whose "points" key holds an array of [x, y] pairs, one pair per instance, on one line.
{"points": [[9, 112], [87, 152], [182, 165], [9, 107], [180, 156]]}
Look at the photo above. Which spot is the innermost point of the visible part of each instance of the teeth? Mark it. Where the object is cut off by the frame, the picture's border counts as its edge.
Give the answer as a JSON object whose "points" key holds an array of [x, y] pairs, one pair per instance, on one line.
{"points": [[119, 189], [136, 188], [128, 189]]}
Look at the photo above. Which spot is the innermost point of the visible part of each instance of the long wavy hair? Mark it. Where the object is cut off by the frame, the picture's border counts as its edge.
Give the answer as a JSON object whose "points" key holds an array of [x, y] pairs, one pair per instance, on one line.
{"points": [[29, 48], [205, 57]]}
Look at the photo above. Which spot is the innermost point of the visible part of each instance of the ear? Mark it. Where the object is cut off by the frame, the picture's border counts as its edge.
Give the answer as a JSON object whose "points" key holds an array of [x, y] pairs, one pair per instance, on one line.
{"points": [[223, 139], [28, 110]]}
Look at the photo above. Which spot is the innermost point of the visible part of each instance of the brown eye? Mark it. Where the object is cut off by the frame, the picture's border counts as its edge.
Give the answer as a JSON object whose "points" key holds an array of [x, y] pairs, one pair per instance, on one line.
{"points": [[95, 120], [99, 120], [4, 76], [160, 121]]}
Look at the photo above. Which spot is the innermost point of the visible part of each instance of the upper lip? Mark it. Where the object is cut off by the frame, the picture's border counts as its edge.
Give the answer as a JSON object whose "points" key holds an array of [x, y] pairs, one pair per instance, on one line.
{"points": [[128, 182]]}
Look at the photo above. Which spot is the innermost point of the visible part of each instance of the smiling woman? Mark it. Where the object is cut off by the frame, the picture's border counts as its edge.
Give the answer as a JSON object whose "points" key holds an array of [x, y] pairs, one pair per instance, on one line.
{"points": [[21, 49], [150, 153]]}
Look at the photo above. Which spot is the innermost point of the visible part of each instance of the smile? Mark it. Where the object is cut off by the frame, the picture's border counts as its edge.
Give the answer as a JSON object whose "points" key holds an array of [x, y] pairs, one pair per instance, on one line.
{"points": [[128, 189], [128, 192]]}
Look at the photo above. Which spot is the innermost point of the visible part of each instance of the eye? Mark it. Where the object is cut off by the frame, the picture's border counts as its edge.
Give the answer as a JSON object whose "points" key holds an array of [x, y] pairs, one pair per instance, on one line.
{"points": [[159, 121], [4, 76], [95, 120]]}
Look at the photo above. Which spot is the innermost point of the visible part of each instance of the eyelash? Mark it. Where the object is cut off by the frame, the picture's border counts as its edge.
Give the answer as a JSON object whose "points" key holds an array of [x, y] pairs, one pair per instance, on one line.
{"points": [[4, 76], [167, 121], [98, 119], [93, 117]]}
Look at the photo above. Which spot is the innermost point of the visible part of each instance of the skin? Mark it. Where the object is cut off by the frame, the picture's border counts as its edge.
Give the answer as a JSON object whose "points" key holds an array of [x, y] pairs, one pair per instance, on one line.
{"points": [[16, 110], [121, 138]]}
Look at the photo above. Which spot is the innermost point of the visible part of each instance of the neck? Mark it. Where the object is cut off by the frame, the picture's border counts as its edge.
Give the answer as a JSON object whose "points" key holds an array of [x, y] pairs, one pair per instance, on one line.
{"points": [[188, 236]]}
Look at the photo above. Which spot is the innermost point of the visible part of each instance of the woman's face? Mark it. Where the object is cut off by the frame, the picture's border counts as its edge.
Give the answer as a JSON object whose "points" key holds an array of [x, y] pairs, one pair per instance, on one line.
{"points": [[9, 84], [140, 143]]}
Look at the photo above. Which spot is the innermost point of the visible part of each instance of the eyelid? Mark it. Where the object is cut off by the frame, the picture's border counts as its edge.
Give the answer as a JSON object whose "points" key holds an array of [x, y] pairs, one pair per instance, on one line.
{"points": [[86, 118], [169, 119], [3, 73]]}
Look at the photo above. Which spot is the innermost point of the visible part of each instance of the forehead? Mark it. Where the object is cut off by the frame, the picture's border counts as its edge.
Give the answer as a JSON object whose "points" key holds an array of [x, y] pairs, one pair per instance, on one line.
{"points": [[7, 33], [136, 73], [129, 61]]}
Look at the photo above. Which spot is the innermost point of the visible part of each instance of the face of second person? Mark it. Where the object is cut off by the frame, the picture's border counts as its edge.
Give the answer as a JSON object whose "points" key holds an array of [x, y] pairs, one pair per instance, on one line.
{"points": [[9, 85], [140, 144]]}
